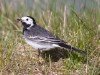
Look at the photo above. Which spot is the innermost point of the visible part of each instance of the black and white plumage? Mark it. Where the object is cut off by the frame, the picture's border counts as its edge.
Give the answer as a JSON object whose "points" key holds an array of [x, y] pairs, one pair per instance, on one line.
{"points": [[40, 38]]}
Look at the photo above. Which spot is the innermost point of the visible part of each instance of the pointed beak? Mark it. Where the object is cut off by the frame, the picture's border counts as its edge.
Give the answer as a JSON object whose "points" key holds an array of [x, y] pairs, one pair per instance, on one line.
{"points": [[19, 19]]}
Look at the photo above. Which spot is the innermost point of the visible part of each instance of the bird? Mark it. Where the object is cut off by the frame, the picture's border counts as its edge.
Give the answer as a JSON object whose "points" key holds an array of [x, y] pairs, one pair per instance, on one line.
{"points": [[40, 38]]}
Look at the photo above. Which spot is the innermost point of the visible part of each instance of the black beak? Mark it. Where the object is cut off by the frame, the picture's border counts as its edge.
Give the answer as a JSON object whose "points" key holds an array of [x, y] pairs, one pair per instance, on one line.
{"points": [[18, 19]]}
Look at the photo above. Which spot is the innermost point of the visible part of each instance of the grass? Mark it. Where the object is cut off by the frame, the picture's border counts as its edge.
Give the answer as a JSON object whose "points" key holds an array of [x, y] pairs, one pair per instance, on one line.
{"points": [[78, 29]]}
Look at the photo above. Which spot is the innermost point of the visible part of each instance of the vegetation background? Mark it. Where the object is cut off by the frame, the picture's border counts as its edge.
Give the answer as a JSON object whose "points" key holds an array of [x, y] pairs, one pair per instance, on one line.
{"points": [[75, 21]]}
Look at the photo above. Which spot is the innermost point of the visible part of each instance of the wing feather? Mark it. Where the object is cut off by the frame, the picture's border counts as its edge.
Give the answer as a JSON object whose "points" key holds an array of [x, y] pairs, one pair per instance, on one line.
{"points": [[52, 40]]}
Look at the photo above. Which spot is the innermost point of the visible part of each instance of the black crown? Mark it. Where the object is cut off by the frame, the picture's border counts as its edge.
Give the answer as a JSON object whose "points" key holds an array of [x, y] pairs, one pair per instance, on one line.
{"points": [[32, 19]]}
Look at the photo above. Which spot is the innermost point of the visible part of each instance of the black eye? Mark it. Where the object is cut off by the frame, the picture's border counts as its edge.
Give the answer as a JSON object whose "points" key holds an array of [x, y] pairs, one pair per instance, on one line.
{"points": [[27, 19]]}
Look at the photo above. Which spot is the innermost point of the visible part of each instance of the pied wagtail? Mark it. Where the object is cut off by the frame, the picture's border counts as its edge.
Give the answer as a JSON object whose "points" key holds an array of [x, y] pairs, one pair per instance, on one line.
{"points": [[40, 38]]}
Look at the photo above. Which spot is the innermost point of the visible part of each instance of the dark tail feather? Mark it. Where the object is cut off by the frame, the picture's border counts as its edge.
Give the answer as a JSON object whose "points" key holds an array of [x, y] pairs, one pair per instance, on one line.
{"points": [[72, 48]]}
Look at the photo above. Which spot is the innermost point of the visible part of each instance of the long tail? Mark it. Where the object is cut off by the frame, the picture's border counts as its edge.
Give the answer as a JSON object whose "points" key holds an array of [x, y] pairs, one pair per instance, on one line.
{"points": [[72, 48]]}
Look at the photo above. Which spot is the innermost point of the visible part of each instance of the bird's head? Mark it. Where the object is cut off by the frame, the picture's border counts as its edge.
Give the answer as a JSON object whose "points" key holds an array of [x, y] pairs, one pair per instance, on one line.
{"points": [[27, 21]]}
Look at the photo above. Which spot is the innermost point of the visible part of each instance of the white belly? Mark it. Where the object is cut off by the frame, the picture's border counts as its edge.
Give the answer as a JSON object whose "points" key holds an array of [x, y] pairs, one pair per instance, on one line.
{"points": [[41, 46]]}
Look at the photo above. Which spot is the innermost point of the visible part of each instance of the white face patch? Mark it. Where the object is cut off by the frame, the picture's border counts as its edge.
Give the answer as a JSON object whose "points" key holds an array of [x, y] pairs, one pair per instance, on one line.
{"points": [[28, 21]]}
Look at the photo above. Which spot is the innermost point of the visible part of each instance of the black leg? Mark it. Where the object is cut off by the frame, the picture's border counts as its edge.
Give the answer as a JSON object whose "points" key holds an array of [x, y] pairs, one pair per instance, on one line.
{"points": [[40, 60], [39, 53]]}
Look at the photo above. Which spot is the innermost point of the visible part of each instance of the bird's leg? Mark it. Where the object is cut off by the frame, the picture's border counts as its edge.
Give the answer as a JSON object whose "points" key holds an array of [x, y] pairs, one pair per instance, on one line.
{"points": [[39, 53], [40, 60]]}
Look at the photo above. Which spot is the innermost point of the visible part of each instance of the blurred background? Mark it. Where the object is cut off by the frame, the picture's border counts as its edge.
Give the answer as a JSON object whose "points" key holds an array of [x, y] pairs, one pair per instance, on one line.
{"points": [[75, 21], [53, 5]]}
